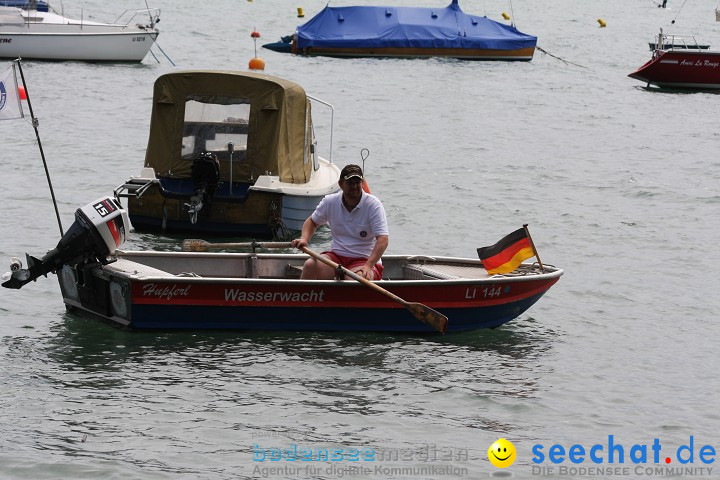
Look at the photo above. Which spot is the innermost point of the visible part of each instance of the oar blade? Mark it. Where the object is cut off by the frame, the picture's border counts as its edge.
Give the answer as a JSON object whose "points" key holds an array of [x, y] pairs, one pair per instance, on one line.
{"points": [[428, 316]]}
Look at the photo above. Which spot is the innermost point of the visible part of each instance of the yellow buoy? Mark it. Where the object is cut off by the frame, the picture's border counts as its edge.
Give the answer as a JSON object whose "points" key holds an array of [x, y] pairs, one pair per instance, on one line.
{"points": [[602, 22], [256, 63], [505, 16], [300, 12]]}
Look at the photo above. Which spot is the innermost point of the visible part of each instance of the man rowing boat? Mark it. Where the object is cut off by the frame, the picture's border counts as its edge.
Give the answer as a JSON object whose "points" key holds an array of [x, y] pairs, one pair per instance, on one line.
{"points": [[359, 230]]}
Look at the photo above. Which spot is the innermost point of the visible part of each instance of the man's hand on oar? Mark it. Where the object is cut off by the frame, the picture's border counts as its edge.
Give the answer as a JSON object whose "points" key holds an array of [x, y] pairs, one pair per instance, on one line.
{"points": [[425, 314]]}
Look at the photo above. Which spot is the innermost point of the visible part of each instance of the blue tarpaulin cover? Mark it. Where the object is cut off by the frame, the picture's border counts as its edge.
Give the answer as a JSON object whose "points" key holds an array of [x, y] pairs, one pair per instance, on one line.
{"points": [[408, 27]]}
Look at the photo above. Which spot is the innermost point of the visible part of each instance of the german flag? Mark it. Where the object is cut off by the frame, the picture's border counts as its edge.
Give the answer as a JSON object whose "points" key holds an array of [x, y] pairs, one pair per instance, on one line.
{"points": [[507, 254]]}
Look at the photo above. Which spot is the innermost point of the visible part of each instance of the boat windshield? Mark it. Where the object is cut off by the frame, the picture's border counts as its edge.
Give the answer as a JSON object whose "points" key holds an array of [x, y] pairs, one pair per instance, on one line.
{"points": [[211, 123]]}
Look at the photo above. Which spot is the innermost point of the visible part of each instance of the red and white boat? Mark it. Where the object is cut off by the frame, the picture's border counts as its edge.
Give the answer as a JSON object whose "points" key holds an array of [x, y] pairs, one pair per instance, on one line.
{"points": [[680, 67]]}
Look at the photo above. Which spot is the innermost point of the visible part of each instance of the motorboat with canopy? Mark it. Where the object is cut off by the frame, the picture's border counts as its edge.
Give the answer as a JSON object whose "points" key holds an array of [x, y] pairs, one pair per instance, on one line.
{"points": [[229, 153]]}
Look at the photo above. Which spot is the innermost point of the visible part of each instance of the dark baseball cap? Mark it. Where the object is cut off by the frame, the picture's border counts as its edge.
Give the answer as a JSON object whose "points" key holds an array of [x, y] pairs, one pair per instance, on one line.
{"points": [[350, 171]]}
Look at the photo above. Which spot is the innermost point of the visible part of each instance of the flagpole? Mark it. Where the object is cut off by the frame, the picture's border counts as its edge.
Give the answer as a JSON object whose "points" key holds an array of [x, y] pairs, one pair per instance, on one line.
{"points": [[35, 124], [532, 244]]}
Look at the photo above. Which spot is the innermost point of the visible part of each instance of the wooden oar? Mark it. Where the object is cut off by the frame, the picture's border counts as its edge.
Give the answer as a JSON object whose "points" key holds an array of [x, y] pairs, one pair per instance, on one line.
{"points": [[197, 245], [425, 314]]}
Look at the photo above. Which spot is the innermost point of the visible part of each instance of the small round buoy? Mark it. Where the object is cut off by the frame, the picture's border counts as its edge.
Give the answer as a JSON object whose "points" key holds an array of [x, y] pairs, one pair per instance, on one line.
{"points": [[22, 93], [256, 63], [365, 186], [602, 22], [301, 14], [255, 34], [505, 16]]}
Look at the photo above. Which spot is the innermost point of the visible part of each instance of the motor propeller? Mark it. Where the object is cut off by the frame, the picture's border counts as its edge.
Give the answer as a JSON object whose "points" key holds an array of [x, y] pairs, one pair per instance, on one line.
{"points": [[205, 173]]}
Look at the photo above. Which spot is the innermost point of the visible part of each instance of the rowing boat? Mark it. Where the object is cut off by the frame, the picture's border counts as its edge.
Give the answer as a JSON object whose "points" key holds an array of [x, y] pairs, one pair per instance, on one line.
{"points": [[263, 291]]}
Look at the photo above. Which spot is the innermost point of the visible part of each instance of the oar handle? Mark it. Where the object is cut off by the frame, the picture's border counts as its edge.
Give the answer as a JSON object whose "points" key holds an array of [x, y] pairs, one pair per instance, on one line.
{"points": [[197, 245]]}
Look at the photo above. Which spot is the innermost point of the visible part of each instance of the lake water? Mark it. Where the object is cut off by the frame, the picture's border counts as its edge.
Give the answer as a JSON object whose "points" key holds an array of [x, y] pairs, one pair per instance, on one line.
{"points": [[620, 187]]}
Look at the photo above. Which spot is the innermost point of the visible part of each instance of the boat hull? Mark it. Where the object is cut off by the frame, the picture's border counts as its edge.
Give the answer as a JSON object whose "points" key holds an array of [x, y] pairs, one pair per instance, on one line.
{"points": [[136, 295], [349, 318], [157, 211], [261, 214], [43, 35], [520, 54], [126, 46], [681, 69]]}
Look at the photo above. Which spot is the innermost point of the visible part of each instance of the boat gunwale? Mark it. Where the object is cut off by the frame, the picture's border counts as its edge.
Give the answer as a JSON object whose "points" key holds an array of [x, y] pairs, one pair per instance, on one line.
{"points": [[524, 53], [551, 272], [82, 34]]}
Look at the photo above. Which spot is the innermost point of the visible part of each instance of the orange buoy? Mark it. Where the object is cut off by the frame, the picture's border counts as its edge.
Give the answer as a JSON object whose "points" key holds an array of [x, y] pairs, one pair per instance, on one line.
{"points": [[365, 186], [22, 93], [256, 63]]}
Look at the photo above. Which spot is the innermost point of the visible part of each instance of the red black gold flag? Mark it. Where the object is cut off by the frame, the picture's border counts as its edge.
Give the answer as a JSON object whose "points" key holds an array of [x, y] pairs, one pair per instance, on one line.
{"points": [[507, 254]]}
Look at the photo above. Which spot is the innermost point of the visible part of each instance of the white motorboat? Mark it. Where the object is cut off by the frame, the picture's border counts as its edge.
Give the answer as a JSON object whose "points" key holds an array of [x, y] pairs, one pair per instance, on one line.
{"points": [[35, 34]]}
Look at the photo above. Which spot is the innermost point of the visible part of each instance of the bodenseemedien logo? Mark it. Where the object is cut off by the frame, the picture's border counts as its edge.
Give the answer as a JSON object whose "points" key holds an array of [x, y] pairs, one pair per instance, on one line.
{"points": [[502, 453]]}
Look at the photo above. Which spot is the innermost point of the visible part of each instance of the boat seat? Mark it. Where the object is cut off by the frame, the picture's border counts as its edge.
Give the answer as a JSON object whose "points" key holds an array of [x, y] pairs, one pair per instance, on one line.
{"points": [[293, 271], [413, 271], [135, 268], [440, 271]]}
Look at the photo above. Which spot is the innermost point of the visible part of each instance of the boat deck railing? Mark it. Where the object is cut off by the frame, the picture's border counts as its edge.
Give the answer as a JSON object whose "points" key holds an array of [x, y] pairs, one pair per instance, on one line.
{"points": [[153, 15], [332, 128], [673, 42], [55, 17]]}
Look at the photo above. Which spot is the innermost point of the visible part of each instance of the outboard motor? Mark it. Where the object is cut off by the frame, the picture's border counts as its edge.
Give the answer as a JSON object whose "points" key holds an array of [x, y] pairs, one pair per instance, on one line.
{"points": [[205, 173], [99, 228]]}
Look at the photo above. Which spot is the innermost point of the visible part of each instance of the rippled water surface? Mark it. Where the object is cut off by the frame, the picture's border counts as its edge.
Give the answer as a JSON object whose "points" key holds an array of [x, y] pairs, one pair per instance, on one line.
{"points": [[619, 185]]}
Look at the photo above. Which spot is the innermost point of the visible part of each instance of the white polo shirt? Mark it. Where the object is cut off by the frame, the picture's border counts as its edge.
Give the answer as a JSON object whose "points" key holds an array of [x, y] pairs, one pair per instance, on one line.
{"points": [[353, 233]]}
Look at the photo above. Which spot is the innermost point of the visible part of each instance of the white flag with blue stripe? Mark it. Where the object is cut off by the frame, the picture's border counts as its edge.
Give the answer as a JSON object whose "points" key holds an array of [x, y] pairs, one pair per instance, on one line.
{"points": [[10, 106]]}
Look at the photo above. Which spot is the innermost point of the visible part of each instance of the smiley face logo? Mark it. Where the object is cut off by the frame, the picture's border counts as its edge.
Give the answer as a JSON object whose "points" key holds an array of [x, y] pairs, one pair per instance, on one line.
{"points": [[502, 453]]}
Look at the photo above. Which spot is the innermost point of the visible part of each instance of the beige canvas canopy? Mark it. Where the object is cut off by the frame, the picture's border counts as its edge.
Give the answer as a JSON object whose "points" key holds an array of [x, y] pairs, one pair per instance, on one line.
{"points": [[267, 118]]}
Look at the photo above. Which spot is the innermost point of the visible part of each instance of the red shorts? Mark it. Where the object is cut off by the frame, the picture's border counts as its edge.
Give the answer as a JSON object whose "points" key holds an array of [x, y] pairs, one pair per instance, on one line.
{"points": [[351, 263]]}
